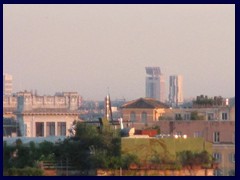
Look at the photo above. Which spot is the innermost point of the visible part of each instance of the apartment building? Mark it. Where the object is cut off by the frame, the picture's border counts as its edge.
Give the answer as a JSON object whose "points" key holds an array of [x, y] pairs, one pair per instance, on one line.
{"points": [[215, 124]]}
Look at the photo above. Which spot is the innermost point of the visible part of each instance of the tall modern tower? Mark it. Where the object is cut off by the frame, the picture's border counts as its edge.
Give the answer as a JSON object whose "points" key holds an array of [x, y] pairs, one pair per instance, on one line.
{"points": [[155, 84], [175, 90], [7, 84]]}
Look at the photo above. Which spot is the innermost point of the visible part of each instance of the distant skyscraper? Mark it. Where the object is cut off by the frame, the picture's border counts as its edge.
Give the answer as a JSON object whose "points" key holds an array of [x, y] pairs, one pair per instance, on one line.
{"points": [[175, 90], [7, 84], [155, 84]]}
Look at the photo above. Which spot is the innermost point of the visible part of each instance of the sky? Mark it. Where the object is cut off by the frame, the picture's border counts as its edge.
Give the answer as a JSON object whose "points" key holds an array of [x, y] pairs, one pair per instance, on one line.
{"points": [[96, 49]]}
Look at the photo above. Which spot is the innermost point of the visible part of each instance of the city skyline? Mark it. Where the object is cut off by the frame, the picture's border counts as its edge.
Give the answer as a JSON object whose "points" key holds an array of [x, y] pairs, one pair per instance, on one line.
{"points": [[90, 48]]}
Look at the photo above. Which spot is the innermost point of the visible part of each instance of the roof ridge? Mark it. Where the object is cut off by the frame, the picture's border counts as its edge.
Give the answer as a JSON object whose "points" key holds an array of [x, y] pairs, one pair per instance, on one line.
{"points": [[145, 103], [146, 100]]}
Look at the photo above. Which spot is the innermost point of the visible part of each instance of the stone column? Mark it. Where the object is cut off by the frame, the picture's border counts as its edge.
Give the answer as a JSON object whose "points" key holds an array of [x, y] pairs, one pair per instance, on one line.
{"points": [[45, 129], [56, 125], [33, 127]]}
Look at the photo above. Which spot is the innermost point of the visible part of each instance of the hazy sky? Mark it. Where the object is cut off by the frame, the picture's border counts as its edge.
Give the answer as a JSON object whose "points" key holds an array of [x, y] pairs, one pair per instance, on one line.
{"points": [[87, 48]]}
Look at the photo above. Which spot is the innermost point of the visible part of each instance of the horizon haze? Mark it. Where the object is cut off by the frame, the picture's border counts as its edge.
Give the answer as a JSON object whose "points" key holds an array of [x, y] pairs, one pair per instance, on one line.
{"points": [[90, 48]]}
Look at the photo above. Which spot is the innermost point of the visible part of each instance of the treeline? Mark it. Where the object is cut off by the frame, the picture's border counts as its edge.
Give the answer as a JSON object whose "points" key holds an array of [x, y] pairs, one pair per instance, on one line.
{"points": [[91, 148]]}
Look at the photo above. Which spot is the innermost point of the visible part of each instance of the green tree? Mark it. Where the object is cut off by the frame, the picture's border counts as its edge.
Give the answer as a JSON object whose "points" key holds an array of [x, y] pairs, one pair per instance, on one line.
{"points": [[128, 159], [190, 159]]}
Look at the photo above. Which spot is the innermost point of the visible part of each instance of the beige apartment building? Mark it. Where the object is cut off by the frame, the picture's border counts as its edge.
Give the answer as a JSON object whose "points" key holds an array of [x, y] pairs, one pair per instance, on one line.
{"points": [[215, 124], [143, 110], [148, 110]]}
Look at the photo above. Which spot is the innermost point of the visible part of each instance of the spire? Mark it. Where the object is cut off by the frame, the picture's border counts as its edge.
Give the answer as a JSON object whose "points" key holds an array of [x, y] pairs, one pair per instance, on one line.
{"points": [[108, 108]]}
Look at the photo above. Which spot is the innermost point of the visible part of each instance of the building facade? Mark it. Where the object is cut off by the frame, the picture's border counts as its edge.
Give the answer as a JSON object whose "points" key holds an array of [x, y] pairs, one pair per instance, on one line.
{"points": [[215, 124], [7, 84], [175, 90], [221, 133], [9, 106], [43, 115], [143, 110], [155, 84]]}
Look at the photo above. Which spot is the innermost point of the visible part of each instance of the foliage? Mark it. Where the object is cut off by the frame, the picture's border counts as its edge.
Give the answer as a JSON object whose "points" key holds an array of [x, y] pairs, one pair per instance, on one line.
{"points": [[28, 171], [46, 151], [18, 142], [205, 101], [161, 153], [190, 158], [128, 159], [93, 148], [90, 148], [155, 159]]}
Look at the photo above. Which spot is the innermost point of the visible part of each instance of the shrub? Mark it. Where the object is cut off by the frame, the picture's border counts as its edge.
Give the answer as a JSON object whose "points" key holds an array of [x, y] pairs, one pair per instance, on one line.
{"points": [[28, 171]]}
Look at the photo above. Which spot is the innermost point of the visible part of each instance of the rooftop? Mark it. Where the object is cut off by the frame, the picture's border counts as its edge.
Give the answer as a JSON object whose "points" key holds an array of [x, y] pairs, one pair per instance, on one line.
{"points": [[148, 103]]}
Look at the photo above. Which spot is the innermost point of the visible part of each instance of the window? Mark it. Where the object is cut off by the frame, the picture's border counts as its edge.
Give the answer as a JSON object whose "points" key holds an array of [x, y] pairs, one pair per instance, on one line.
{"points": [[39, 129], [217, 157], [217, 172], [224, 116], [216, 137], [50, 128], [178, 117], [232, 157], [197, 134], [210, 116], [132, 116], [144, 117], [61, 128], [187, 116]]}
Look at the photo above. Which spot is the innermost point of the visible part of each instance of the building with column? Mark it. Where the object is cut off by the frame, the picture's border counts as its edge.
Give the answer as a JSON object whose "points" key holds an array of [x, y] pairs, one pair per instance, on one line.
{"points": [[43, 116], [7, 84], [175, 90], [155, 84]]}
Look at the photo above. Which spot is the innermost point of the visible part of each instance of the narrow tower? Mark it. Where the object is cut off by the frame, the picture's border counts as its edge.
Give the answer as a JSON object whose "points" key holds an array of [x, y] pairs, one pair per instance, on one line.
{"points": [[108, 108]]}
